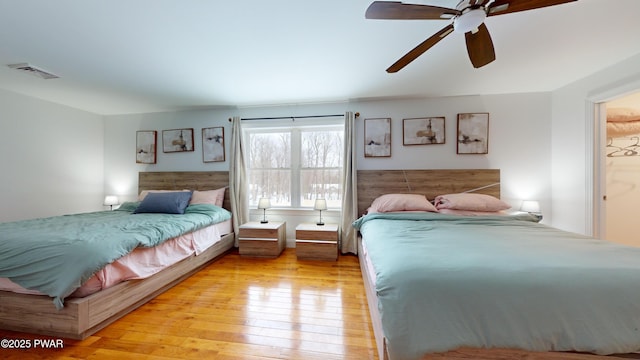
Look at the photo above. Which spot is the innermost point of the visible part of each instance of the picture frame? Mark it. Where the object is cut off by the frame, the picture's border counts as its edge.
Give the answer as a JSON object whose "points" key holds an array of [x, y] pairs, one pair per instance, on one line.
{"points": [[423, 131], [146, 146], [213, 144], [177, 140], [473, 133], [377, 137]]}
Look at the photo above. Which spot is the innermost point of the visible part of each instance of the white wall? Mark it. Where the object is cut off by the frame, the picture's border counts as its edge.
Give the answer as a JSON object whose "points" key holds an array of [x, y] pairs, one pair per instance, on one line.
{"points": [[519, 143], [570, 167], [121, 169], [79, 159], [519, 140], [52, 159]]}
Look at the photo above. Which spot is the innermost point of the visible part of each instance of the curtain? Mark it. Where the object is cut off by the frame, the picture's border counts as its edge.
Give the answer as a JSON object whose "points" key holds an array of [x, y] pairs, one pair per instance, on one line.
{"points": [[349, 188], [238, 179]]}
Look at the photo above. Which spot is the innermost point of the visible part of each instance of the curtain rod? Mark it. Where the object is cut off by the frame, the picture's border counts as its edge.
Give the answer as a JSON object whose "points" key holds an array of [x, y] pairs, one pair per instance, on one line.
{"points": [[294, 117]]}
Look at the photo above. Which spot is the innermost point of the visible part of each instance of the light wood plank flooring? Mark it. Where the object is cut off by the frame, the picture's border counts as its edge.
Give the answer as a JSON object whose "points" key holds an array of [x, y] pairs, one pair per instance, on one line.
{"points": [[245, 308], [239, 308]]}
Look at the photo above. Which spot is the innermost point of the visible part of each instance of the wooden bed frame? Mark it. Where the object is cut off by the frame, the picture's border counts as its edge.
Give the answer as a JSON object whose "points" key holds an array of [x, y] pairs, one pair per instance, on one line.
{"points": [[431, 183], [373, 183], [82, 317]]}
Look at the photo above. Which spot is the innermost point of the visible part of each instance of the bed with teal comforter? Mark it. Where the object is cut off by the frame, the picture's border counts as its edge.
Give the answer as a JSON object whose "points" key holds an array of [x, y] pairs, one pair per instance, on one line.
{"points": [[56, 255], [445, 282]]}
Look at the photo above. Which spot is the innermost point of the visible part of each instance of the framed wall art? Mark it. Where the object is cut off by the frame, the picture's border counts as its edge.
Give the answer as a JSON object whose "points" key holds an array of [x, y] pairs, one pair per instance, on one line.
{"points": [[423, 131], [473, 133], [146, 141], [213, 144], [177, 140], [377, 137]]}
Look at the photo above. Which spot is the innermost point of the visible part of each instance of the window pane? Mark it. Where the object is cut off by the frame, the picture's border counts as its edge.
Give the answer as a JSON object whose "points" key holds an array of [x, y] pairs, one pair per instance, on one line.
{"points": [[320, 183], [270, 162], [295, 165], [273, 184], [270, 150], [321, 149], [321, 161]]}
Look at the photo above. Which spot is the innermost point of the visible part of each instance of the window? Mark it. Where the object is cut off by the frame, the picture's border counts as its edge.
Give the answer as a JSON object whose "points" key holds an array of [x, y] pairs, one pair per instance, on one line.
{"points": [[296, 164]]}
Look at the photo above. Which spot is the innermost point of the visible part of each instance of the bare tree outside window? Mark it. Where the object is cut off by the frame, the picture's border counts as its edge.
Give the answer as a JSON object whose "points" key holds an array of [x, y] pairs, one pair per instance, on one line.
{"points": [[295, 166], [321, 168], [270, 164]]}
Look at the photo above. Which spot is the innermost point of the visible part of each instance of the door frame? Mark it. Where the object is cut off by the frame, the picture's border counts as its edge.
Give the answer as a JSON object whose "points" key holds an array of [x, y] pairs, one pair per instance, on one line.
{"points": [[596, 142]]}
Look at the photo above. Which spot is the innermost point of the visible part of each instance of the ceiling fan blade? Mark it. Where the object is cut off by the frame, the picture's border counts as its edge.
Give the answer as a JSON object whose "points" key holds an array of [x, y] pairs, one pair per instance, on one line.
{"points": [[420, 49], [399, 11], [500, 7], [480, 46]]}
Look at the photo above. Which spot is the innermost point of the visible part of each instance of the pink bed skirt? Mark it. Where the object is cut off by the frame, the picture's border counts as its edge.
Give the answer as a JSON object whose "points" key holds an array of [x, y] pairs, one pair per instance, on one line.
{"points": [[142, 262]]}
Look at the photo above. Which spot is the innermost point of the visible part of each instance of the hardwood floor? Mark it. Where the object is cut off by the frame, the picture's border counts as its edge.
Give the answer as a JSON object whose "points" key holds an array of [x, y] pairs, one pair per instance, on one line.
{"points": [[247, 308], [237, 308]]}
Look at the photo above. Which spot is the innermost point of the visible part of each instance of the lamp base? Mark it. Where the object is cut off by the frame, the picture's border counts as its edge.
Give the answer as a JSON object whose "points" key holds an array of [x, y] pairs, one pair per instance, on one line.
{"points": [[264, 221], [320, 223]]}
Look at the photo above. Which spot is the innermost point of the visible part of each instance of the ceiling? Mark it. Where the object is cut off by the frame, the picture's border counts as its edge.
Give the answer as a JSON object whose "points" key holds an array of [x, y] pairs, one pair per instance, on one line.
{"points": [[121, 56]]}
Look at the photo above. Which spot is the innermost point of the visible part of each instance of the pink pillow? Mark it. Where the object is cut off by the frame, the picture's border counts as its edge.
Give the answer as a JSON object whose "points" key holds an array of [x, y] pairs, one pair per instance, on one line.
{"points": [[470, 201], [213, 197], [401, 202]]}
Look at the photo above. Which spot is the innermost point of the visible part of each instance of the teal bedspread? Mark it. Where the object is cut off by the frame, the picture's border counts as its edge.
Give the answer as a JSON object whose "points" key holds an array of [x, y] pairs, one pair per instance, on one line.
{"points": [[56, 255], [445, 282]]}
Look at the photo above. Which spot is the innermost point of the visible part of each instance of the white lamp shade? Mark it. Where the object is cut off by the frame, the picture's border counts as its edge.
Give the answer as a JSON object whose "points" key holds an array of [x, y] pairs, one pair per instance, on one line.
{"points": [[530, 206], [110, 200], [321, 204], [264, 203]]}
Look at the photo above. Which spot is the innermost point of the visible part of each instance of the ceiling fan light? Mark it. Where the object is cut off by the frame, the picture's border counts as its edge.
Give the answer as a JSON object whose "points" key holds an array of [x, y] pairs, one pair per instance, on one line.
{"points": [[469, 21]]}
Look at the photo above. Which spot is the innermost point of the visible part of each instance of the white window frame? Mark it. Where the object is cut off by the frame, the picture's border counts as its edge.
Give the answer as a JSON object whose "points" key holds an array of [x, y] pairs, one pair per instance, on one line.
{"points": [[296, 127]]}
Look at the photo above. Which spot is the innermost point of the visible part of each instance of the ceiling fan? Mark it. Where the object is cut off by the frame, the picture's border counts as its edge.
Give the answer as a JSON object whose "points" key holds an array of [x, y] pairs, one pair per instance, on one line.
{"points": [[467, 18]]}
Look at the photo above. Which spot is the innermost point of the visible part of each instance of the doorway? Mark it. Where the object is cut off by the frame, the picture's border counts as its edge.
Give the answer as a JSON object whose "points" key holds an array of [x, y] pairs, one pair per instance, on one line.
{"points": [[620, 161]]}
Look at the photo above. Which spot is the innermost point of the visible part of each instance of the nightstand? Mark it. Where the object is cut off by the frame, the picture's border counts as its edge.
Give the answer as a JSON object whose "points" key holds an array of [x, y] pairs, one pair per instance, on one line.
{"points": [[317, 242], [262, 240]]}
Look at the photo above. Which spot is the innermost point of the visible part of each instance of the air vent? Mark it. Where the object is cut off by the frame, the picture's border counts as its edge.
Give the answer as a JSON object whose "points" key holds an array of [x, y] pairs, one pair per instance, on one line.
{"points": [[30, 69]]}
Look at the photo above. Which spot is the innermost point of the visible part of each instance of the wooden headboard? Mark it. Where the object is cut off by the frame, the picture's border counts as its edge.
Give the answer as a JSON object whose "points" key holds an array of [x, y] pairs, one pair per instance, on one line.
{"points": [[180, 180], [373, 183]]}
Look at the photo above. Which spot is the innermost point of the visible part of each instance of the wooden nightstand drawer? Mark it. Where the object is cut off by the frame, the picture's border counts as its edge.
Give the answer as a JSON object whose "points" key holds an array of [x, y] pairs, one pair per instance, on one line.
{"points": [[266, 233], [262, 240], [317, 242], [317, 250], [331, 235]]}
